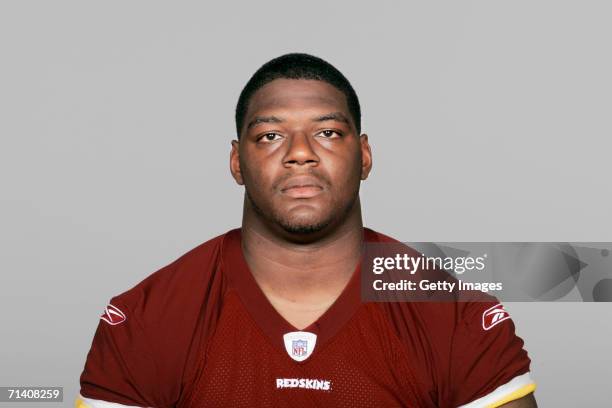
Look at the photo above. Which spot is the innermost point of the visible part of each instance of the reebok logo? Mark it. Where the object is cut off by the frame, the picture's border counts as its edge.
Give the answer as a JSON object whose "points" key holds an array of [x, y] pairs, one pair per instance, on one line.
{"points": [[112, 315], [493, 316]]}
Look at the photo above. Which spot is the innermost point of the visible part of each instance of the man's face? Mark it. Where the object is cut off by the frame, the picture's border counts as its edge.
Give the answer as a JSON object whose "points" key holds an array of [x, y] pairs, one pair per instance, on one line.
{"points": [[299, 155]]}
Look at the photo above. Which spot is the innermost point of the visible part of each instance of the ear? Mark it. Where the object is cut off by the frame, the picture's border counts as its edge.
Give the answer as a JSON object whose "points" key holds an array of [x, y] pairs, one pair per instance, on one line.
{"points": [[366, 156], [235, 162]]}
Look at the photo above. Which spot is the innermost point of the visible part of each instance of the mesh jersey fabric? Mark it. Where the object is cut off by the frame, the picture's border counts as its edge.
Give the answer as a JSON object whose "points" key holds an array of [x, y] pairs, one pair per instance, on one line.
{"points": [[200, 333]]}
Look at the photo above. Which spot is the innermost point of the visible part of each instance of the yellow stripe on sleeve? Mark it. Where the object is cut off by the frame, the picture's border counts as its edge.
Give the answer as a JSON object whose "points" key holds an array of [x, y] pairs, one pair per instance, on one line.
{"points": [[520, 393], [79, 403]]}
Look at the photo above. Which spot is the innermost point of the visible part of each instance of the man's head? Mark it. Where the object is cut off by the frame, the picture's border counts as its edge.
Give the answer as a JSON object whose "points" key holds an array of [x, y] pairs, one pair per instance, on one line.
{"points": [[299, 153], [297, 66]]}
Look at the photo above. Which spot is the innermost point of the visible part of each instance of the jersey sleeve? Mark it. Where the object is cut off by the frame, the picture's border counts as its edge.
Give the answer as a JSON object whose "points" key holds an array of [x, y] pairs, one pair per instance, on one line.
{"points": [[489, 366], [82, 402], [121, 366], [150, 340]]}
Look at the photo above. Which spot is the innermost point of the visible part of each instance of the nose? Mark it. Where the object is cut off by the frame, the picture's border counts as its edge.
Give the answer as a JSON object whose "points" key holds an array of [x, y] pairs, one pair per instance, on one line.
{"points": [[300, 151]]}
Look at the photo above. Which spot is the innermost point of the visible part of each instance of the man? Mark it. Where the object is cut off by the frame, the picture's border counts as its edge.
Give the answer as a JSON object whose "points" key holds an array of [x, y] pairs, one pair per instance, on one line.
{"points": [[270, 314]]}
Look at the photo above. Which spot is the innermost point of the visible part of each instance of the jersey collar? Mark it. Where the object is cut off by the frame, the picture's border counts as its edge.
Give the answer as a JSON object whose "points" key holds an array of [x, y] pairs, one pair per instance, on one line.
{"points": [[262, 311]]}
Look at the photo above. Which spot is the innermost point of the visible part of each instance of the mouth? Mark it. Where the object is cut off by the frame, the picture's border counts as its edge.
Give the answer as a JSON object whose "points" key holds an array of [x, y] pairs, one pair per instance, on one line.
{"points": [[302, 187]]}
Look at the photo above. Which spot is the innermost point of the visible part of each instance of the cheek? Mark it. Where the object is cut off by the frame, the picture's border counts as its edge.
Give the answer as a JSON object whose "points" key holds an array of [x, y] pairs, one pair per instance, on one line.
{"points": [[346, 171], [257, 176]]}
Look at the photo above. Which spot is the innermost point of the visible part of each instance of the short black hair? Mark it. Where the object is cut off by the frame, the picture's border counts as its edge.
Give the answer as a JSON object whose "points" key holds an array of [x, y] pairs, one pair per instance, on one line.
{"points": [[298, 66]]}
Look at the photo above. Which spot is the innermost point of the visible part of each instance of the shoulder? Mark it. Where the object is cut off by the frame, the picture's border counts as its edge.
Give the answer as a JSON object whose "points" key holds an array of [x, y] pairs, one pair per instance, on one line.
{"points": [[465, 348], [173, 309], [440, 313], [371, 235], [175, 285], [152, 334]]}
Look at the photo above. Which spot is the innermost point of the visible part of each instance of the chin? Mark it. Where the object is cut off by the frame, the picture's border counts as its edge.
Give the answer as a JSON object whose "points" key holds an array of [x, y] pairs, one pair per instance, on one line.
{"points": [[304, 225], [303, 229]]}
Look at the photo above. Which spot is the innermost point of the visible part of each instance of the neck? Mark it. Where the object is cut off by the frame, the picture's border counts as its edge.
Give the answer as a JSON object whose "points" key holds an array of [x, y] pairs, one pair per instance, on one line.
{"points": [[305, 274]]}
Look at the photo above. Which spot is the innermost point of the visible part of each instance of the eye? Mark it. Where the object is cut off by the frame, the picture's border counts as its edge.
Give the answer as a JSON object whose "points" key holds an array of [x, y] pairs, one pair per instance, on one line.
{"points": [[329, 134], [269, 137]]}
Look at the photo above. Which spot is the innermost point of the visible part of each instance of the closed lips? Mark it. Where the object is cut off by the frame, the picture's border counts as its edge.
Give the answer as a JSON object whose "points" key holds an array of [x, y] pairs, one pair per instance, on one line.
{"points": [[302, 181]]}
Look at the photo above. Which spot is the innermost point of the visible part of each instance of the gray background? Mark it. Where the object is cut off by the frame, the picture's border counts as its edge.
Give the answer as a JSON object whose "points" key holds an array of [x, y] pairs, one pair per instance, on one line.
{"points": [[489, 121]]}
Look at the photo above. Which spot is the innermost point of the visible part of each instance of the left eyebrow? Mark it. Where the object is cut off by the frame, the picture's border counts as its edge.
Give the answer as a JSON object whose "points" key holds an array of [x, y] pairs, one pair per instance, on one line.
{"points": [[337, 116]]}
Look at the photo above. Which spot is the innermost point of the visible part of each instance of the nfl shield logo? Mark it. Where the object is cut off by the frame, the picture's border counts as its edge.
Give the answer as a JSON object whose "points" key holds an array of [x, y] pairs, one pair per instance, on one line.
{"points": [[299, 348], [300, 344]]}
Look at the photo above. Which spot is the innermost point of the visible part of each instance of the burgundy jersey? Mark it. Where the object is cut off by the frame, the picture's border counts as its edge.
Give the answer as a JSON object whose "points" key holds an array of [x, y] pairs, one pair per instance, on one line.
{"points": [[201, 333]]}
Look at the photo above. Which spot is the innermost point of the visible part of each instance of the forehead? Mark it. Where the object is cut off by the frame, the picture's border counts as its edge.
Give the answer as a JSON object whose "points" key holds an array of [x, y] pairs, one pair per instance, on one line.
{"points": [[294, 96]]}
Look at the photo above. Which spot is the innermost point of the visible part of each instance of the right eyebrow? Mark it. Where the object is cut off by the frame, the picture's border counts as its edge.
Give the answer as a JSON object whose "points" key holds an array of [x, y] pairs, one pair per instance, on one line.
{"points": [[263, 119]]}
